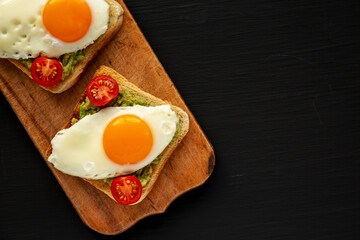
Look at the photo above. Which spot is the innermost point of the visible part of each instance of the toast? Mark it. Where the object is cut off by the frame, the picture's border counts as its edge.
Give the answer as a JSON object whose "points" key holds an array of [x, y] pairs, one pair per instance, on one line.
{"points": [[115, 21], [150, 99]]}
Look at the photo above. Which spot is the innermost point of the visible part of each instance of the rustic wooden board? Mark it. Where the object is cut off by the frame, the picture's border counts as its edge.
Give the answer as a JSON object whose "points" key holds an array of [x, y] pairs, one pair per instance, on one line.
{"points": [[43, 114]]}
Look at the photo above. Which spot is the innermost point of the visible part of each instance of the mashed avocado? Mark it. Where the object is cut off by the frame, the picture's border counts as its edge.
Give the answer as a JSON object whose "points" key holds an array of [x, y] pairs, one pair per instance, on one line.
{"points": [[67, 61], [27, 62], [124, 99]]}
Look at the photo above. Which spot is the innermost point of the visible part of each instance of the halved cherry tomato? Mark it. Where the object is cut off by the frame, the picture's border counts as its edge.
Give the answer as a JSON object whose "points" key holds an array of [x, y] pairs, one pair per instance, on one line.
{"points": [[101, 90], [126, 190], [46, 72]]}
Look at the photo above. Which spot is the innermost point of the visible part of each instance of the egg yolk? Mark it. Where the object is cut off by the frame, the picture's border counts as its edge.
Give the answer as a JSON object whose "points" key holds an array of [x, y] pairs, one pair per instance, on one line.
{"points": [[127, 139], [67, 20]]}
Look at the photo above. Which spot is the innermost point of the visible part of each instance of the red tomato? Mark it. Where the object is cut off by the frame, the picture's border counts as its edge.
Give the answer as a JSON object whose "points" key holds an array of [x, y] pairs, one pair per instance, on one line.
{"points": [[46, 72], [126, 190], [101, 90]]}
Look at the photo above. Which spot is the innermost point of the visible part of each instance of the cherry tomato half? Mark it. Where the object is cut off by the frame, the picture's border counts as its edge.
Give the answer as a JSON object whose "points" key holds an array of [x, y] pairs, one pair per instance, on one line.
{"points": [[46, 72], [126, 190], [101, 90]]}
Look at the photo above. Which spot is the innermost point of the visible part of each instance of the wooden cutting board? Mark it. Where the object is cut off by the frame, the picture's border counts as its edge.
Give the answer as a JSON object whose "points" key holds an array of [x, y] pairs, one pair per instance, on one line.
{"points": [[43, 114]]}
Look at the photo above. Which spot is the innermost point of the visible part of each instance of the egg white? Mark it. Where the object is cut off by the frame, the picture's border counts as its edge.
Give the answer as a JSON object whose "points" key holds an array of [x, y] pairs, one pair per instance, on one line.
{"points": [[23, 34], [79, 151]]}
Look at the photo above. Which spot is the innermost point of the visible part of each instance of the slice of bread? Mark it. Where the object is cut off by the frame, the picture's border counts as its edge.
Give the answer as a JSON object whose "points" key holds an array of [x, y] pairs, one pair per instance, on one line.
{"points": [[115, 21], [150, 99]]}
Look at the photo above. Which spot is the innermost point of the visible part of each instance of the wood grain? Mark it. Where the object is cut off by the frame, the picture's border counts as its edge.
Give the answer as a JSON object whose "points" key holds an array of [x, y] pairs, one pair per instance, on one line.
{"points": [[43, 114]]}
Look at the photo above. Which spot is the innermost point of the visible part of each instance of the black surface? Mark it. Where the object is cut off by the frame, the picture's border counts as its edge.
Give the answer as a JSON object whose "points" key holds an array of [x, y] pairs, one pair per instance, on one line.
{"points": [[275, 86]]}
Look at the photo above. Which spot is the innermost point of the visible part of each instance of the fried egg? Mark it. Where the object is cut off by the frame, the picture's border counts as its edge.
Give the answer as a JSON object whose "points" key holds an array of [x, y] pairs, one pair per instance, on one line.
{"points": [[32, 28], [113, 142]]}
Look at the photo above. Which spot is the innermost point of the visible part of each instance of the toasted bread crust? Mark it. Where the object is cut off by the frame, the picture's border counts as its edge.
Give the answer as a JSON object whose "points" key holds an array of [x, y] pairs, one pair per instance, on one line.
{"points": [[134, 90], [115, 21]]}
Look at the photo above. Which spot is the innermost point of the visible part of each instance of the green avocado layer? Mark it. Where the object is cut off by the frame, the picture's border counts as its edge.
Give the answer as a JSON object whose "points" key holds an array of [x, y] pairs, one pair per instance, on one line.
{"points": [[124, 99], [67, 61]]}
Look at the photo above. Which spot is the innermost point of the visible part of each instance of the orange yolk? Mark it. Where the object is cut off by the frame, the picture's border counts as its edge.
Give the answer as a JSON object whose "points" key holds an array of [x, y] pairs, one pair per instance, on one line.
{"points": [[127, 139], [67, 20]]}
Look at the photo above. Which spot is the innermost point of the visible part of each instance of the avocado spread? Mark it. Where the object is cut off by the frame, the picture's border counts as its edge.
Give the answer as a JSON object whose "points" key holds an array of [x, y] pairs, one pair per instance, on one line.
{"points": [[67, 61], [124, 99]]}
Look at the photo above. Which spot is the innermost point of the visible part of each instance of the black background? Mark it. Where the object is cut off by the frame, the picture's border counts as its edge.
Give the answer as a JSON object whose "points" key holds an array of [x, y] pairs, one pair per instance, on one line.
{"points": [[275, 87]]}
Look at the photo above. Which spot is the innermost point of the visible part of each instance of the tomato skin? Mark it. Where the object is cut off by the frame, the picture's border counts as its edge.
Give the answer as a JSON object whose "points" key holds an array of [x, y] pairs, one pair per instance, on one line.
{"points": [[46, 72], [126, 190], [101, 90]]}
